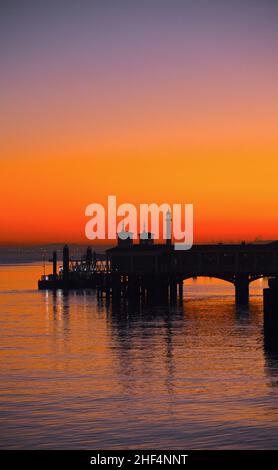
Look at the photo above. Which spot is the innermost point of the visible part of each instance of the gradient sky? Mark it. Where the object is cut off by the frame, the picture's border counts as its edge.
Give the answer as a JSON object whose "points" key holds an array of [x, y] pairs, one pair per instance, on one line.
{"points": [[158, 101]]}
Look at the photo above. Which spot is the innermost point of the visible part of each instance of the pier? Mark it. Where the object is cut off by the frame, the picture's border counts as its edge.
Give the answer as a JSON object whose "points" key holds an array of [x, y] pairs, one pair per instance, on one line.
{"points": [[157, 271], [151, 272], [73, 273]]}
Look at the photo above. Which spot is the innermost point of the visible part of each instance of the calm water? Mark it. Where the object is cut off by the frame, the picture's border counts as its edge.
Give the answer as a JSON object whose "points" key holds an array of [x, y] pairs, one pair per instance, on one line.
{"points": [[75, 374]]}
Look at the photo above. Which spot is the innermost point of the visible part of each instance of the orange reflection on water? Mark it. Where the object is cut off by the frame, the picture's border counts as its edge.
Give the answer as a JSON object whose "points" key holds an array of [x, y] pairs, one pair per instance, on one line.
{"points": [[75, 373]]}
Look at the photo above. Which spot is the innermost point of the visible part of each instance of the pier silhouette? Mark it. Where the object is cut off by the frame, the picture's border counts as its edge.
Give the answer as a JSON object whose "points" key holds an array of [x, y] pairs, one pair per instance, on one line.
{"points": [[149, 271]]}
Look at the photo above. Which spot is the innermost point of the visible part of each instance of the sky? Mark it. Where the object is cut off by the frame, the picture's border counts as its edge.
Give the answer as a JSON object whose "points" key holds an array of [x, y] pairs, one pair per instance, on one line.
{"points": [[151, 101]]}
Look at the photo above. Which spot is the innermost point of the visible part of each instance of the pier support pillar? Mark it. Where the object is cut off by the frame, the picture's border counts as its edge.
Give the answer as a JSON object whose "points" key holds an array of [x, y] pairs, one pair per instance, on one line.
{"points": [[180, 291], [151, 291], [156, 289], [133, 289], [54, 259], [116, 287], [271, 317], [242, 289], [271, 302], [173, 291], [89, 257], [66, 263], [163, 290]]}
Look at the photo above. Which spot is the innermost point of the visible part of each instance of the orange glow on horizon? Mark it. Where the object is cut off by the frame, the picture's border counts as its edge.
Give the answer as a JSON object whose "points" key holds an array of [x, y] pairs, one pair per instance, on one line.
{"points": [[234, 196]]}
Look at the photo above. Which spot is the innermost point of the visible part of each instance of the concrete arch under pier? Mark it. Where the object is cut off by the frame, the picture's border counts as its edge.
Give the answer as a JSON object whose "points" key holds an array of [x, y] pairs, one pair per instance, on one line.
{"points": [[241, 282]]}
